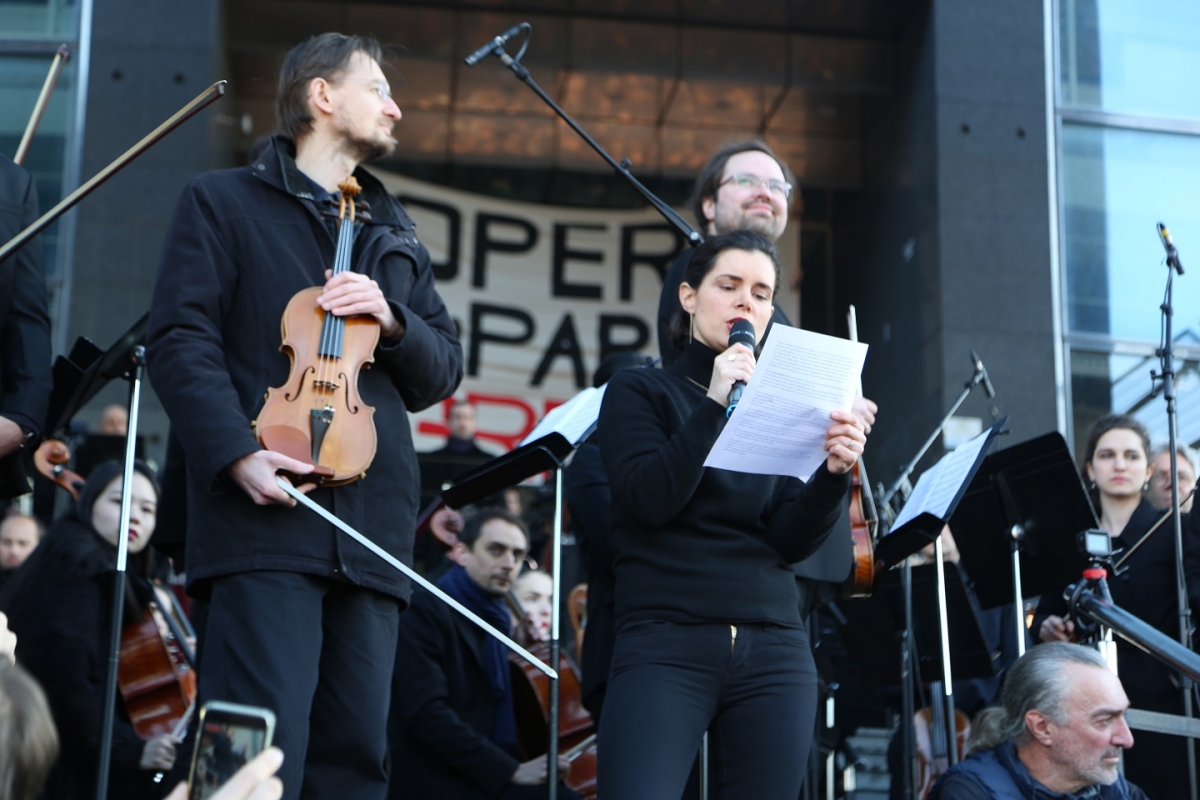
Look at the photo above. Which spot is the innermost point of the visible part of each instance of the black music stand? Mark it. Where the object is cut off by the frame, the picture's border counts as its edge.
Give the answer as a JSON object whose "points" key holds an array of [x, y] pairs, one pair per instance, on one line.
{"points": [[80, 376], [1027, 500]]}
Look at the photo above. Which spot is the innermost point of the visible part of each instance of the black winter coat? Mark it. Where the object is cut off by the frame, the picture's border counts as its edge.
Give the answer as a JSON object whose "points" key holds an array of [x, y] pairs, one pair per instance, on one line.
{"points": [[443, 709], [59, 604], [242, 243], [24, 321]]}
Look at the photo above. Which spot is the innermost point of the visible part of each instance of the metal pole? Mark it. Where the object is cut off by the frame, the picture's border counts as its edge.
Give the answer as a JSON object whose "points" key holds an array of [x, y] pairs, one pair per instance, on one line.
{"points": [[119, 579]]}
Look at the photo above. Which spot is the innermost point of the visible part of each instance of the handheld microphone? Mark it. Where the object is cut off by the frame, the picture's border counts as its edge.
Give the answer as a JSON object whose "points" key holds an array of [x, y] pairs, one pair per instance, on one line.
{"points": [[1169, 246], [493, 45], [984, 379], [742, 332]]}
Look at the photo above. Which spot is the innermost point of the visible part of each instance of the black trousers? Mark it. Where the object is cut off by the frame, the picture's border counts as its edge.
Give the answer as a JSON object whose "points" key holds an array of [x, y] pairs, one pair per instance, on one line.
{"points": [[319, 653], [669, 683]]}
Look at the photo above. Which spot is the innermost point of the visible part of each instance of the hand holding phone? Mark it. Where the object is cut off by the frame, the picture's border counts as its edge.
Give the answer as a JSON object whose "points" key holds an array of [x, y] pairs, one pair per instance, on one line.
{"points": [[255, 781], [229, 736]]}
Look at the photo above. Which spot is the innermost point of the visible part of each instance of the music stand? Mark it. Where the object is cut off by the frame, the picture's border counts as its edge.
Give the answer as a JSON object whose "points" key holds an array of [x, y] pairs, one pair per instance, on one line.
{"points": [[80, 377], [1024, 506]]}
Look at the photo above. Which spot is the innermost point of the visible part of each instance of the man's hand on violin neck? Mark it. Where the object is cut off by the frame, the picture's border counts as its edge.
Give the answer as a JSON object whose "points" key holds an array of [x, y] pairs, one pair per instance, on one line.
{"points": [[256, 472], [349, 293]]}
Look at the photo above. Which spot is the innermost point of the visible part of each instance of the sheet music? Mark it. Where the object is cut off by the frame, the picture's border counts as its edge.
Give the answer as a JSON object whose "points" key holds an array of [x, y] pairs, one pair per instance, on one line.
{"points": [[573, 419], [940, 483], [779, 426]]}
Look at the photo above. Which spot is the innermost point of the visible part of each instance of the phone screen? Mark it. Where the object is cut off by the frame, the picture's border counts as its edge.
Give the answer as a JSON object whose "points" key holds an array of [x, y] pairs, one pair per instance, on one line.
{"points": [[227, 737]]}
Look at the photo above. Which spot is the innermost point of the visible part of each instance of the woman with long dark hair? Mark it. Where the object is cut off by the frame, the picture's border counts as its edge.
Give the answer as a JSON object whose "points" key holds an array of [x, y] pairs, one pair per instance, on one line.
{"points": [[1117, 471], [709, 635], [59, 604]]}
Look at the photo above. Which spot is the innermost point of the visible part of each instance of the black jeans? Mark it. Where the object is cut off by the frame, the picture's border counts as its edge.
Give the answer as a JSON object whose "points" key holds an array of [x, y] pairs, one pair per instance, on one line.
{"points": [[755, 689], [319, 653]]}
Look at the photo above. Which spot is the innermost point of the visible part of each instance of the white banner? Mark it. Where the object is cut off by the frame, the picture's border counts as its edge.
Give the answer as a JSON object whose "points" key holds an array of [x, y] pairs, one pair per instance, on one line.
{"points": [[540, 294]]}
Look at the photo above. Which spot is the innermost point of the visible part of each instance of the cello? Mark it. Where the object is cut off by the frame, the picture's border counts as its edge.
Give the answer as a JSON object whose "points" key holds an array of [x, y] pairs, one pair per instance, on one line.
{"points": [[317, 415]]}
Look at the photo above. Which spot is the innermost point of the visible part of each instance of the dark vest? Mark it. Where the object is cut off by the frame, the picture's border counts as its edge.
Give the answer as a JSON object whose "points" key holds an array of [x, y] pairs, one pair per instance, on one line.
{"points": [[1002, 775]]}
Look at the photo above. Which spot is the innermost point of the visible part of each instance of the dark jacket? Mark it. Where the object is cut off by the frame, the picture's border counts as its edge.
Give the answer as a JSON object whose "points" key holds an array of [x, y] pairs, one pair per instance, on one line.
{"points": [[998, 774], [696, 544], [24, 321], [242, 243], [443, 709], [59, 604]]}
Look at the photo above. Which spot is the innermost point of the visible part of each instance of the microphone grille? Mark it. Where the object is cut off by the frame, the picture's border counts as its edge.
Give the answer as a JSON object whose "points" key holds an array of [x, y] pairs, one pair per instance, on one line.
{"points": [[742, 332]]}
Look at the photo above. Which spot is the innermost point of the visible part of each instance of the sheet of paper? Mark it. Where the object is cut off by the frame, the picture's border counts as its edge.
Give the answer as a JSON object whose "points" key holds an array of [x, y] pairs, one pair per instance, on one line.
{"points": [[938, 484], [572, 419], [779, 426]]}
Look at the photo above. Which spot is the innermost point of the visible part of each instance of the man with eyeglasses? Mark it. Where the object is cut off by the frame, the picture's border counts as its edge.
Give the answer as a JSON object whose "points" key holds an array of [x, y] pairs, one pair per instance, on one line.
{"points": [[300, 619], [743, 187]]}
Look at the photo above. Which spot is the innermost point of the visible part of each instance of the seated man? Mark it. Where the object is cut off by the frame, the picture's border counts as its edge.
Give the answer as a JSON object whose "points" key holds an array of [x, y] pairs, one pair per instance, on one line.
{"points": [[1058, 733], [452, 731]]}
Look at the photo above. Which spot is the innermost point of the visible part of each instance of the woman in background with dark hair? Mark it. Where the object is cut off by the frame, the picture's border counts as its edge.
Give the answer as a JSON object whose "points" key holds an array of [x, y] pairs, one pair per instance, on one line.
{"points": [[1117, 471], [59, 604], [709, 635]]}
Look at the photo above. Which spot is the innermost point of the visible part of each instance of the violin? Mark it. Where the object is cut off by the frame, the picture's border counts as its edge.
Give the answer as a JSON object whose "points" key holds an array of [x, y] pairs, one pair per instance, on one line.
{"points": [[317, 416], [864, 521]]}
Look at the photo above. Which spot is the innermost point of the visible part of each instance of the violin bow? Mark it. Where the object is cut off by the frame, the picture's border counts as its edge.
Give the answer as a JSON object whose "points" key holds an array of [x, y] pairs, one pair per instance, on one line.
{"points": [[303, 499], [178, 118], [39, 108]]}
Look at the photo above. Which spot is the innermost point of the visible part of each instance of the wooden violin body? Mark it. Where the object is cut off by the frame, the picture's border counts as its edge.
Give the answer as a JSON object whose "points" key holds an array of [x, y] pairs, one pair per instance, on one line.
{"points": [[932, 749], [321, 385], [155, 677], [317, 416]]}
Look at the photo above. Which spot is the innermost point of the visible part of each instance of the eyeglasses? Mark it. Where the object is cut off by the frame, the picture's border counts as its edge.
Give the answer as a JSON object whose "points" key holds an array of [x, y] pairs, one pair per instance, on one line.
{"points": [[378, 87], [744, 180]]}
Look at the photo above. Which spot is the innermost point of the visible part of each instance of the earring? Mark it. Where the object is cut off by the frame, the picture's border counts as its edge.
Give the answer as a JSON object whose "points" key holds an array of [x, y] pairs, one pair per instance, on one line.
{"points": [[1092, 485], [691, 326], [1146, 486]]}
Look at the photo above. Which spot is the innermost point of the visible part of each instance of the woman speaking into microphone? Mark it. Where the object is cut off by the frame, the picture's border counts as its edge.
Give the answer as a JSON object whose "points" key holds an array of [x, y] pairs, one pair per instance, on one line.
{"points": [[709, 635]]}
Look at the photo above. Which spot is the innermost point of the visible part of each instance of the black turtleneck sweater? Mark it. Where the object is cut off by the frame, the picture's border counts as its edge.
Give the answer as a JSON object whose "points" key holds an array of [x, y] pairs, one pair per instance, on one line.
{"points": [[698, 545]]}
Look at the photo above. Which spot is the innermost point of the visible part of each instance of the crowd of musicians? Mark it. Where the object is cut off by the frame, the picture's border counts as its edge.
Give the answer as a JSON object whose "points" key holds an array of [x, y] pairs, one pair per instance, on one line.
{"points": [[702, 583]]}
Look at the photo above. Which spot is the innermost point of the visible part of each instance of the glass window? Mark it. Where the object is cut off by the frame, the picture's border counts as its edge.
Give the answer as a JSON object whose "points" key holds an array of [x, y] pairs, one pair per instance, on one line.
{"points": [[1130, 58], [38, 19], [1117, 184], [1107, 383], [24, 75]]}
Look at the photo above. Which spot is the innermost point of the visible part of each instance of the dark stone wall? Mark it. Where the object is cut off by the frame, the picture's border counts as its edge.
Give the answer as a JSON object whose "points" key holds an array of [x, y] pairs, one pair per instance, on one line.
{"points": [[947, 248], [148, 61]]}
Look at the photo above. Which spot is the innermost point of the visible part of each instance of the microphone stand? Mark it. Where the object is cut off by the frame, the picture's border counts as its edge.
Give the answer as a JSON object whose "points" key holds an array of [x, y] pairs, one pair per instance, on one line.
{"points": [[137, 360], [689, 233], [693, 238], [1166, 354], [978, 376]]}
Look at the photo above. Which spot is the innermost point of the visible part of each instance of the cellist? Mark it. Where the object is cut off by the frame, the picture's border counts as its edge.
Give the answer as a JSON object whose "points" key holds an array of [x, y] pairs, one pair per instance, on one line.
{"points": [[59, 604], [300, 620]]}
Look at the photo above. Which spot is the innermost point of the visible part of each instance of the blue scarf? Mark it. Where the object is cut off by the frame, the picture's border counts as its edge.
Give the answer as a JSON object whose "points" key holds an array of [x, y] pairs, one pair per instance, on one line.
{"points": [[459, 585]]}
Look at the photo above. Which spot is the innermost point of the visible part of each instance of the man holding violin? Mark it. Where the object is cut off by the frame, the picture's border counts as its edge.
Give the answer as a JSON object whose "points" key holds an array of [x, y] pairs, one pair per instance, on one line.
{"points": [[453, 726], [298, 618]]}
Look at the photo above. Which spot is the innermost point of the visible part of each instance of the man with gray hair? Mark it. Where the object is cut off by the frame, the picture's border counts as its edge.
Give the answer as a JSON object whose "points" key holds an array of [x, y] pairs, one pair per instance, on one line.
{"points": [[1058, 733], [1158, 490]]}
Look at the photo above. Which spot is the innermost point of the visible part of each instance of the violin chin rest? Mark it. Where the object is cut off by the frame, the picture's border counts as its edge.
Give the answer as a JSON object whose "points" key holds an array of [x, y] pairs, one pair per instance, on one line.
{"points": [[288, 441]]}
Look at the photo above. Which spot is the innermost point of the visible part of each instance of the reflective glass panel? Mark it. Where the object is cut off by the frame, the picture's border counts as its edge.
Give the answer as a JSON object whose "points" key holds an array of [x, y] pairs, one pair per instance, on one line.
{"points": [[39, 19], [1130, 57], [1105, 383], [1117, 184]]}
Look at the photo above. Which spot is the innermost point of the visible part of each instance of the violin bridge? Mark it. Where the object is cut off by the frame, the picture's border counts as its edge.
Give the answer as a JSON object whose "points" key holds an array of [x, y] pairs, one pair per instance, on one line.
{"points": [[326, 386]]}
